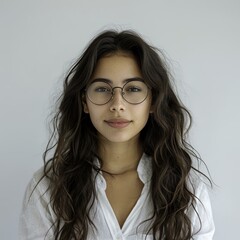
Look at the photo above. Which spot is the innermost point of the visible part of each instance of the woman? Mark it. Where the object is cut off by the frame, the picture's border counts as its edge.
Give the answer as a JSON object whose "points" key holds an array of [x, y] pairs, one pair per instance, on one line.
{"points": [[121, 167]]}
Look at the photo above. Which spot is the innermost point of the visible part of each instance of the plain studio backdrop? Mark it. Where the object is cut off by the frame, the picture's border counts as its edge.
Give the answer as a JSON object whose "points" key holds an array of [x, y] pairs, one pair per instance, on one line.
{"points": [[41, 39]]}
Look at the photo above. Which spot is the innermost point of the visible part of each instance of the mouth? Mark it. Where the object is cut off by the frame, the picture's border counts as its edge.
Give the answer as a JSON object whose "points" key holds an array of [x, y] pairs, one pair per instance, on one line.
{"points": [[118, 123]]}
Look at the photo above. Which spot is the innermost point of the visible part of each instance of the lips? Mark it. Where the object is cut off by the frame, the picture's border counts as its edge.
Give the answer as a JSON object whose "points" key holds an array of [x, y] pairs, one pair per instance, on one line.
{"points": [[118, 123]]}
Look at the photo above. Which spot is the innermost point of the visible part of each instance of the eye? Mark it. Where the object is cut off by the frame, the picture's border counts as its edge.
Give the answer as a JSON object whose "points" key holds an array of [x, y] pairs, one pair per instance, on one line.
{"points": [[102, 89], [133, 89]]}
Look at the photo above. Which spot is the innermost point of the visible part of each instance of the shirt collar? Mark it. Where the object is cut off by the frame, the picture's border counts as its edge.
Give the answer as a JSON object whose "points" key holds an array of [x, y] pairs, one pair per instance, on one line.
{"points": [[144, 168], [144, 171]]}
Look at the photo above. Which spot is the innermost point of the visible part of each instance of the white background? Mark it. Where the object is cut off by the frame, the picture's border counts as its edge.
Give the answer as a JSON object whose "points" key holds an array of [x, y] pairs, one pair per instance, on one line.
{"points": [[40, 39]]}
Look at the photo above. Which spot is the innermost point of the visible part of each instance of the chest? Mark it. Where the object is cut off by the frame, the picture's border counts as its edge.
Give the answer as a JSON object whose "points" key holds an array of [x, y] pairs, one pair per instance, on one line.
{"points": [[123, 193]]}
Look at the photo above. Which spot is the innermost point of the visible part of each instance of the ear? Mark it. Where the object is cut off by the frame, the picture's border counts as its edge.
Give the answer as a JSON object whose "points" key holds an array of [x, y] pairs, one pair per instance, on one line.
{"points": [[85, 107], [151, 109], [84, 103]]}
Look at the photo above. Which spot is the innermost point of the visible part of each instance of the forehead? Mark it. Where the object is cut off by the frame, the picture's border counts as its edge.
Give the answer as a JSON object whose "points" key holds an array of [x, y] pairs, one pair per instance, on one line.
{"points": [[117, 67]]}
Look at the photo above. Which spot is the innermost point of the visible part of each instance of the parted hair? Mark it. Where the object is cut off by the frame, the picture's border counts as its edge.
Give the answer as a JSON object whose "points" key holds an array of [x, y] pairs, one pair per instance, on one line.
{"points": [[72, 148]]}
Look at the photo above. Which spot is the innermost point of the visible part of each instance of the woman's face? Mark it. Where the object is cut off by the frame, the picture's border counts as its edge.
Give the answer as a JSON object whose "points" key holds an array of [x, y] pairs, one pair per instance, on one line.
{"points": [[117, 120]]}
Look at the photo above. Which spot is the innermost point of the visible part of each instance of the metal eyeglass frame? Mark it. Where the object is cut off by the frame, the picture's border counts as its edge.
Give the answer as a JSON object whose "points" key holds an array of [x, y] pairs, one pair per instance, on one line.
{"points": [[122, 94]]}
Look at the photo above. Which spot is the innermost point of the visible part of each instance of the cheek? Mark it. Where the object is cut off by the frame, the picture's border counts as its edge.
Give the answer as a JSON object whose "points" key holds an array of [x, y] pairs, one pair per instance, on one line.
{"points": [[144, 110], [95, 114], [145, 118], [142, 115], [90, 108]]}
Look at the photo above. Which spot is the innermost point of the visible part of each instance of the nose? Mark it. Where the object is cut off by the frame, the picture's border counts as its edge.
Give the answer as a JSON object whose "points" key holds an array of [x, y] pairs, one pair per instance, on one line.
{"points": [[117, 102]]}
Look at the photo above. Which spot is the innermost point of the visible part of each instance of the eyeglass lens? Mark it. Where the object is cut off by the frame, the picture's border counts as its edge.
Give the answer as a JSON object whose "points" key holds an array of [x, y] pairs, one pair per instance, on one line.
{"points": [[133, 92]]}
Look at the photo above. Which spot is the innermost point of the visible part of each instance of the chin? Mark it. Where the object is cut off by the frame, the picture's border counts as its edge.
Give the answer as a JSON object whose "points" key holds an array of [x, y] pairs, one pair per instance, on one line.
{"points": [[118, 138]]}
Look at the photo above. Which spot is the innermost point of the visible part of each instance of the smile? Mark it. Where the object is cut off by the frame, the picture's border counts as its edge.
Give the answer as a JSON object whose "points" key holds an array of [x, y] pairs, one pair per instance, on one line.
{"points": [[118, 123]]}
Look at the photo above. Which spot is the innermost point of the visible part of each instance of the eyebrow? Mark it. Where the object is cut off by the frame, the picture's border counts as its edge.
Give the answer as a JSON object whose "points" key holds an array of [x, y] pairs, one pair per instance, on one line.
{"points": [[124, 81]]}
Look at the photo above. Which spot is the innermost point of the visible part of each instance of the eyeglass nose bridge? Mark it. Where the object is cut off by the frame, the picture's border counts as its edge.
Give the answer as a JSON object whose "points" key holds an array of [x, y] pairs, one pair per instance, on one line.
{"points": [[113, 92]]}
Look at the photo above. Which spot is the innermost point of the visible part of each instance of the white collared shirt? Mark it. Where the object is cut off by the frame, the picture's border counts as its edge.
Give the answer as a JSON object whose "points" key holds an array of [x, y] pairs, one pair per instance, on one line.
{"points": [[37, 215]]}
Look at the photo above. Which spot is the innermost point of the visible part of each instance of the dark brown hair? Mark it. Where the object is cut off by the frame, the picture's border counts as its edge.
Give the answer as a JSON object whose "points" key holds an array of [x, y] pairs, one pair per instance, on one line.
{"points": [[74, 144]]}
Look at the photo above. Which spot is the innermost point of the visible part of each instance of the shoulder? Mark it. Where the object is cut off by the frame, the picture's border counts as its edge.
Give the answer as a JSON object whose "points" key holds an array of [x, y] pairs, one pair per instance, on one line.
{"points": [[198, 183], [38, 187], [200, 210], [37, 210]]}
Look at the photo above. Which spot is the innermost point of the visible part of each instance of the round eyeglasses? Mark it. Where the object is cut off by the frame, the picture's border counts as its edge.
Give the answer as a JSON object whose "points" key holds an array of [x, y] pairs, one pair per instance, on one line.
{"points": [[133, 92]]}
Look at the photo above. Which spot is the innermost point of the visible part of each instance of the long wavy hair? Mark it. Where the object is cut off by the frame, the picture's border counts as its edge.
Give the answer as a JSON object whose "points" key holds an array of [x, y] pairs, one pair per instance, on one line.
{"points": [[73, 145]]}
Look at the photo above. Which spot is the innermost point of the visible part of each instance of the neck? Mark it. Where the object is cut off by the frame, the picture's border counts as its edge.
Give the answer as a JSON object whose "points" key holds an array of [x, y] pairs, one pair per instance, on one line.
{"points": [[119, 158]]}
